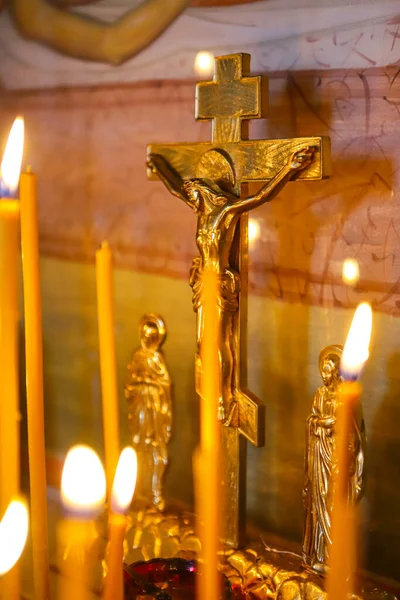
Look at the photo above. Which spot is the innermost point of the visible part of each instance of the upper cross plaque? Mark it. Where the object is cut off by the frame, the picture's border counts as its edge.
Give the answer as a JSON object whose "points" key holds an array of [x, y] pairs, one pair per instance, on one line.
{"points": [[230, 98]]}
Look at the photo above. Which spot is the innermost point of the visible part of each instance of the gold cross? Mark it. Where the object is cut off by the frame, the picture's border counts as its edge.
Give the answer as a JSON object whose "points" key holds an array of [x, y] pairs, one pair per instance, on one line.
{"points": [[230, 100]]}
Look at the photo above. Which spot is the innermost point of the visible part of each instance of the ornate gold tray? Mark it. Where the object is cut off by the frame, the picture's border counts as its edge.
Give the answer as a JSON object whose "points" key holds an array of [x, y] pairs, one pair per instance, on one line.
{"points": [[262, 571]]}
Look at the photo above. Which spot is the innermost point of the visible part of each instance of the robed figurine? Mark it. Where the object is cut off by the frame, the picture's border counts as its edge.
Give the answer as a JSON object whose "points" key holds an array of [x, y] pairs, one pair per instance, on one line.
{"points": [[320, 462], [148, 392]]}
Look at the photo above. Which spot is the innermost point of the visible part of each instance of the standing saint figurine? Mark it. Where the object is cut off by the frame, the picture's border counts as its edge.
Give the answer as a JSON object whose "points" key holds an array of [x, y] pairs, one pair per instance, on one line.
{"points": [[148, 392], [320, 462], [213, 199]]}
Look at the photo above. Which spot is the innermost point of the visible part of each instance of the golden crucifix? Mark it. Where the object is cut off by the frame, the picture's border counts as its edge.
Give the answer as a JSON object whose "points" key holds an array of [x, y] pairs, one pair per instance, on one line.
{"points": [[208, 177]]}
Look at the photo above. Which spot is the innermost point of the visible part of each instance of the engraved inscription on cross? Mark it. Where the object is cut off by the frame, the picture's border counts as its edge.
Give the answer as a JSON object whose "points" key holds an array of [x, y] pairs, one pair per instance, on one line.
{"points": [[230, 100]]}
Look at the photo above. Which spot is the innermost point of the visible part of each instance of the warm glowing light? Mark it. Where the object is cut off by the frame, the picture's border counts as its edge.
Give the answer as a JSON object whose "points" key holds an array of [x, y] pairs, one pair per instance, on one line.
{"points": [[350, 271], [13, 533], [253, 230], [204, 63], [83, 482], [12, 159], [124, 481], [356, 349]]}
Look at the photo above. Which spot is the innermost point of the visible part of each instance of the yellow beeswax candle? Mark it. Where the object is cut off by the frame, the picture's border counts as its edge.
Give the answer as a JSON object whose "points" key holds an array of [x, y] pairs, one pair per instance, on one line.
{"points": [[34, 383], [9, 392], [340, 576], [341, 557], [9, 389], [83, 490], [108, 369], [208, 459], [9, 316], [121, 498]]}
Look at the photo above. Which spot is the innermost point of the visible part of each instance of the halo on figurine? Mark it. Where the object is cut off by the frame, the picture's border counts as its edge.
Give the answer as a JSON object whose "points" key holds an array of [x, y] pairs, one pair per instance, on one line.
{"points": [[154, 322], [215, 165], [332, 353]]}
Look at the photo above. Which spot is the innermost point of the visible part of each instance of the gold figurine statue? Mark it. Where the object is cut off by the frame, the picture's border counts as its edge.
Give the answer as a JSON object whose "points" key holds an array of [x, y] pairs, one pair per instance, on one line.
{"points": [[148, 392], [218, 210], [320, 462]]}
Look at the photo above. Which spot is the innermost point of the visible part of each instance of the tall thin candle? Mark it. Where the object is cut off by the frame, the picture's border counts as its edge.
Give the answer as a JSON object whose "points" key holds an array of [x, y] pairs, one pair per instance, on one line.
{"points": [[108, 365], [34, 383], [208, 463], [9, 316], [121, 498], [83, 490], [341, 560]]}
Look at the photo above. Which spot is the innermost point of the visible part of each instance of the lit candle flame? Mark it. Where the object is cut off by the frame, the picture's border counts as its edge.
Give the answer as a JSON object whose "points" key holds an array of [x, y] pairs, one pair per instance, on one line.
{"points": [[13, 533], [350, 271], [83, 482], [124, 481], [356, 349], [12, 159], [204, 63]]}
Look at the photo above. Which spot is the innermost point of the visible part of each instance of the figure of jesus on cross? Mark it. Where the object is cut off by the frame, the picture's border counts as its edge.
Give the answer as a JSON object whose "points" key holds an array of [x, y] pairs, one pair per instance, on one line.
{"points": [[218, 210], [208, 178]]}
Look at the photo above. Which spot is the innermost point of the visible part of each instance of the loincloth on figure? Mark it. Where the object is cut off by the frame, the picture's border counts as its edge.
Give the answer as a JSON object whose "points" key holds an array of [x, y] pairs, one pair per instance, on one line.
{"points": [[229, 287]]}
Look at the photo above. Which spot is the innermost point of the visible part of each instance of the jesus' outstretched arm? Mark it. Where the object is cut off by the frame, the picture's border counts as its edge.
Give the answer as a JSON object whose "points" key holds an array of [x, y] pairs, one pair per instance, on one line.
{"points": [[299, 160]]}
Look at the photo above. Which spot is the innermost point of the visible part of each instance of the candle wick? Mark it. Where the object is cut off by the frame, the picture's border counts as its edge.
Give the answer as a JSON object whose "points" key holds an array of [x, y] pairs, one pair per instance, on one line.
{"points": [[105, 245], [28, 169]]}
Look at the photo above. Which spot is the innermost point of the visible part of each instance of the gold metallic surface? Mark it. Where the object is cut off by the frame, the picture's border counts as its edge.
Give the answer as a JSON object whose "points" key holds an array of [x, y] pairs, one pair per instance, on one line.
{"points": [[148, 394], [252, 160], [230, 98], [263, 572], [209, 178], [320, 466]]}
